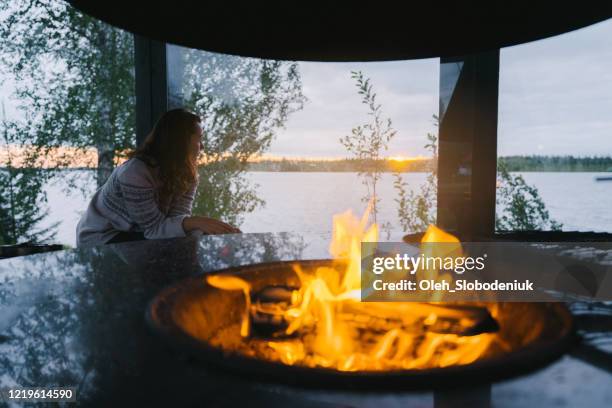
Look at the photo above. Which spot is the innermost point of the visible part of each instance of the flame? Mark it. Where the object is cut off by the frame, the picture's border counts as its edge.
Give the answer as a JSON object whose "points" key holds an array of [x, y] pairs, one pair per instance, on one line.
{"points": [[328, 325], [234, 283]]}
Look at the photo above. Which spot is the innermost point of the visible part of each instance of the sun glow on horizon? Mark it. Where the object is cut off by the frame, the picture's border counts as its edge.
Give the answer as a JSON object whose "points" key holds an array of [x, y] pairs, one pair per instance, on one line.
{"points": [[73, 157], [407, 158]]}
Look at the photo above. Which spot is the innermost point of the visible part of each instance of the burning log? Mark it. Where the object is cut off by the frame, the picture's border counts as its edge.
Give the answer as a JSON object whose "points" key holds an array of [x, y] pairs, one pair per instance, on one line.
{"points": [[420, 317], [269, 306], [267, 311]]}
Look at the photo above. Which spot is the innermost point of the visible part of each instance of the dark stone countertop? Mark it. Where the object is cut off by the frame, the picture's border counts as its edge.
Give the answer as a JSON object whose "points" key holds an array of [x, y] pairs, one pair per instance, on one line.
{"points": [[76, 318]]}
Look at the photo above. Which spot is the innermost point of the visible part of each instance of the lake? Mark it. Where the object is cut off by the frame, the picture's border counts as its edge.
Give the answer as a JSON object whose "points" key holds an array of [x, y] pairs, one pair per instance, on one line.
{"points": [[306, 202]]}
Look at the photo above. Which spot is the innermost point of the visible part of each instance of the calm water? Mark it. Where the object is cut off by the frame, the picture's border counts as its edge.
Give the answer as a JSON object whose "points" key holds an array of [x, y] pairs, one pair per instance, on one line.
{"points": [[306, 202]]}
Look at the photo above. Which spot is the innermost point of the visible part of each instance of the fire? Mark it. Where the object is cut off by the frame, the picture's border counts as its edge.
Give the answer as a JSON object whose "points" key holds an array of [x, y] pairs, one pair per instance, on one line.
{"points": [[328, 326], [233, 283]]}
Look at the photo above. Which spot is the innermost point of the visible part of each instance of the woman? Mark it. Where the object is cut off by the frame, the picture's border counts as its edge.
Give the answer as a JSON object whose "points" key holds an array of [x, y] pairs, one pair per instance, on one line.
{"points": [[150, 195]]}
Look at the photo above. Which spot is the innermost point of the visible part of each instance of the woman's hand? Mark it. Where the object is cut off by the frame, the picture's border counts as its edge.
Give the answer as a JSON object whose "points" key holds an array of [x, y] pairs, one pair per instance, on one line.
{"points": [[208, 225]]}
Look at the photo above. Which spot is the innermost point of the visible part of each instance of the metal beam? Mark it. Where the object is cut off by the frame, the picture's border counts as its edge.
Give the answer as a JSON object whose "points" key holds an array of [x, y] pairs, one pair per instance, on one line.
{"points": [[467, 161], [151, 84]]}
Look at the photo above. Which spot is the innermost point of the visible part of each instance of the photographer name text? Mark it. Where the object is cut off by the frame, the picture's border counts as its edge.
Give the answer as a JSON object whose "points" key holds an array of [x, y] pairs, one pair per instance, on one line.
{"points": [[456, 286]]}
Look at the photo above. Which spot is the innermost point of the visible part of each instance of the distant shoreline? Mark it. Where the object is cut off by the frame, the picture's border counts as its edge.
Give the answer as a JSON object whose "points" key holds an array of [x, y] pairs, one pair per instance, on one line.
{"points": [[422, 172], [554, 164], [525, 164], [355, 171]]}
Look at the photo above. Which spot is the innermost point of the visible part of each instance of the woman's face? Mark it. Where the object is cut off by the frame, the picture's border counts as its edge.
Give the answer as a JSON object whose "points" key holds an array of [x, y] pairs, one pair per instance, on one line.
{"points": [[196, 142]]}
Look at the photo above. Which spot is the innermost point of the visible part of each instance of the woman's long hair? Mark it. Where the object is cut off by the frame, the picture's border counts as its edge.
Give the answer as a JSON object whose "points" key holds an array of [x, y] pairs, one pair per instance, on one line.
{"points": [[167, 148]]}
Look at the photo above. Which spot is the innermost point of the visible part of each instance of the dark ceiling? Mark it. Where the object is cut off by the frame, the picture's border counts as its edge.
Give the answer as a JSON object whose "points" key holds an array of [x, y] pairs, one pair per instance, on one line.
{"points": [[342, 31]]}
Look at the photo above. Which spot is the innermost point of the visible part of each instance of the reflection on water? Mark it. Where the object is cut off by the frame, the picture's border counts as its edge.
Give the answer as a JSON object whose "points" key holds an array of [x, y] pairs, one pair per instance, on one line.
{"points": [[305, 202]]}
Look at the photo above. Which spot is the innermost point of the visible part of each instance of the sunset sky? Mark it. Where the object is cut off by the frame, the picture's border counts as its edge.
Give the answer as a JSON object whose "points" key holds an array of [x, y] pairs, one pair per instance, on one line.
{"points": [[555, 98]]}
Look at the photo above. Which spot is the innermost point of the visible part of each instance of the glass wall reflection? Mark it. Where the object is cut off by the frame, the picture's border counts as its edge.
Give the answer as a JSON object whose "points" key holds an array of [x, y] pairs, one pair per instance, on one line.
{"points": [[277, 153]]}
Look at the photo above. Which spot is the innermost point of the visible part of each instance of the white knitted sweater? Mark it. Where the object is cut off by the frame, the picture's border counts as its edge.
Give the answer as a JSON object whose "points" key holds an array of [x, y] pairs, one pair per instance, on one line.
{"points": [[128, 201]]}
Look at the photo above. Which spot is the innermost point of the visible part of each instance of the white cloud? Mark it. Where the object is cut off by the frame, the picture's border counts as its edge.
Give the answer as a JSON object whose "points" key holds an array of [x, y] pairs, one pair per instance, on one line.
{"points": [[407, 90], [555, 98], [557, 93]]}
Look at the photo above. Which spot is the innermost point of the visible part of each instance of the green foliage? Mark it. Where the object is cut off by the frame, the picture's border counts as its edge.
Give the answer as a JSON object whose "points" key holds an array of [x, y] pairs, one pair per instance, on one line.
{"points": [[367, 142], [417, 210], [21, 207], [225, 194], [243, 102], [520, 207], [22, 199], [556, 163], [75, 80]]}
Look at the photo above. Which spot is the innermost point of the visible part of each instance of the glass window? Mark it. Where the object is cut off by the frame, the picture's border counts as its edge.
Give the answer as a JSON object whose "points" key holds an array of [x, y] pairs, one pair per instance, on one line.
{"points": [[274, 156], [555, 133], [69, 117]]}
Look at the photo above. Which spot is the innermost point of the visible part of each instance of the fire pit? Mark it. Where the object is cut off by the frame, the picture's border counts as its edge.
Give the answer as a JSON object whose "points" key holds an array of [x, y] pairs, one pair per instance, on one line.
{"points": [[210, 323], [302, 322]]}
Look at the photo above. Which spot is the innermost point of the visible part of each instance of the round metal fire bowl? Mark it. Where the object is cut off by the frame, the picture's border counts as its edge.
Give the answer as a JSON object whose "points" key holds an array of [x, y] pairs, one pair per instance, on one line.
{"points": [[217, 308]]}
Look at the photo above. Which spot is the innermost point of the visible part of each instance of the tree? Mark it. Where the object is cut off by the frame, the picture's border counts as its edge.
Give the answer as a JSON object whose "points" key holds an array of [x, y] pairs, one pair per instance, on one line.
{"points": [[417, 210], [243, 102], [22, 198], [367, 142], [75, 83], [520, 207]]}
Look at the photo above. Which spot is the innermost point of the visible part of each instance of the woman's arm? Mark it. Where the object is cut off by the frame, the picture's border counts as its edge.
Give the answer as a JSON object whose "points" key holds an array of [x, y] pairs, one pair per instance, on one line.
{"points": [[208, 225], [182, 206], [143, 211], [183, 203], [138, 189]]}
